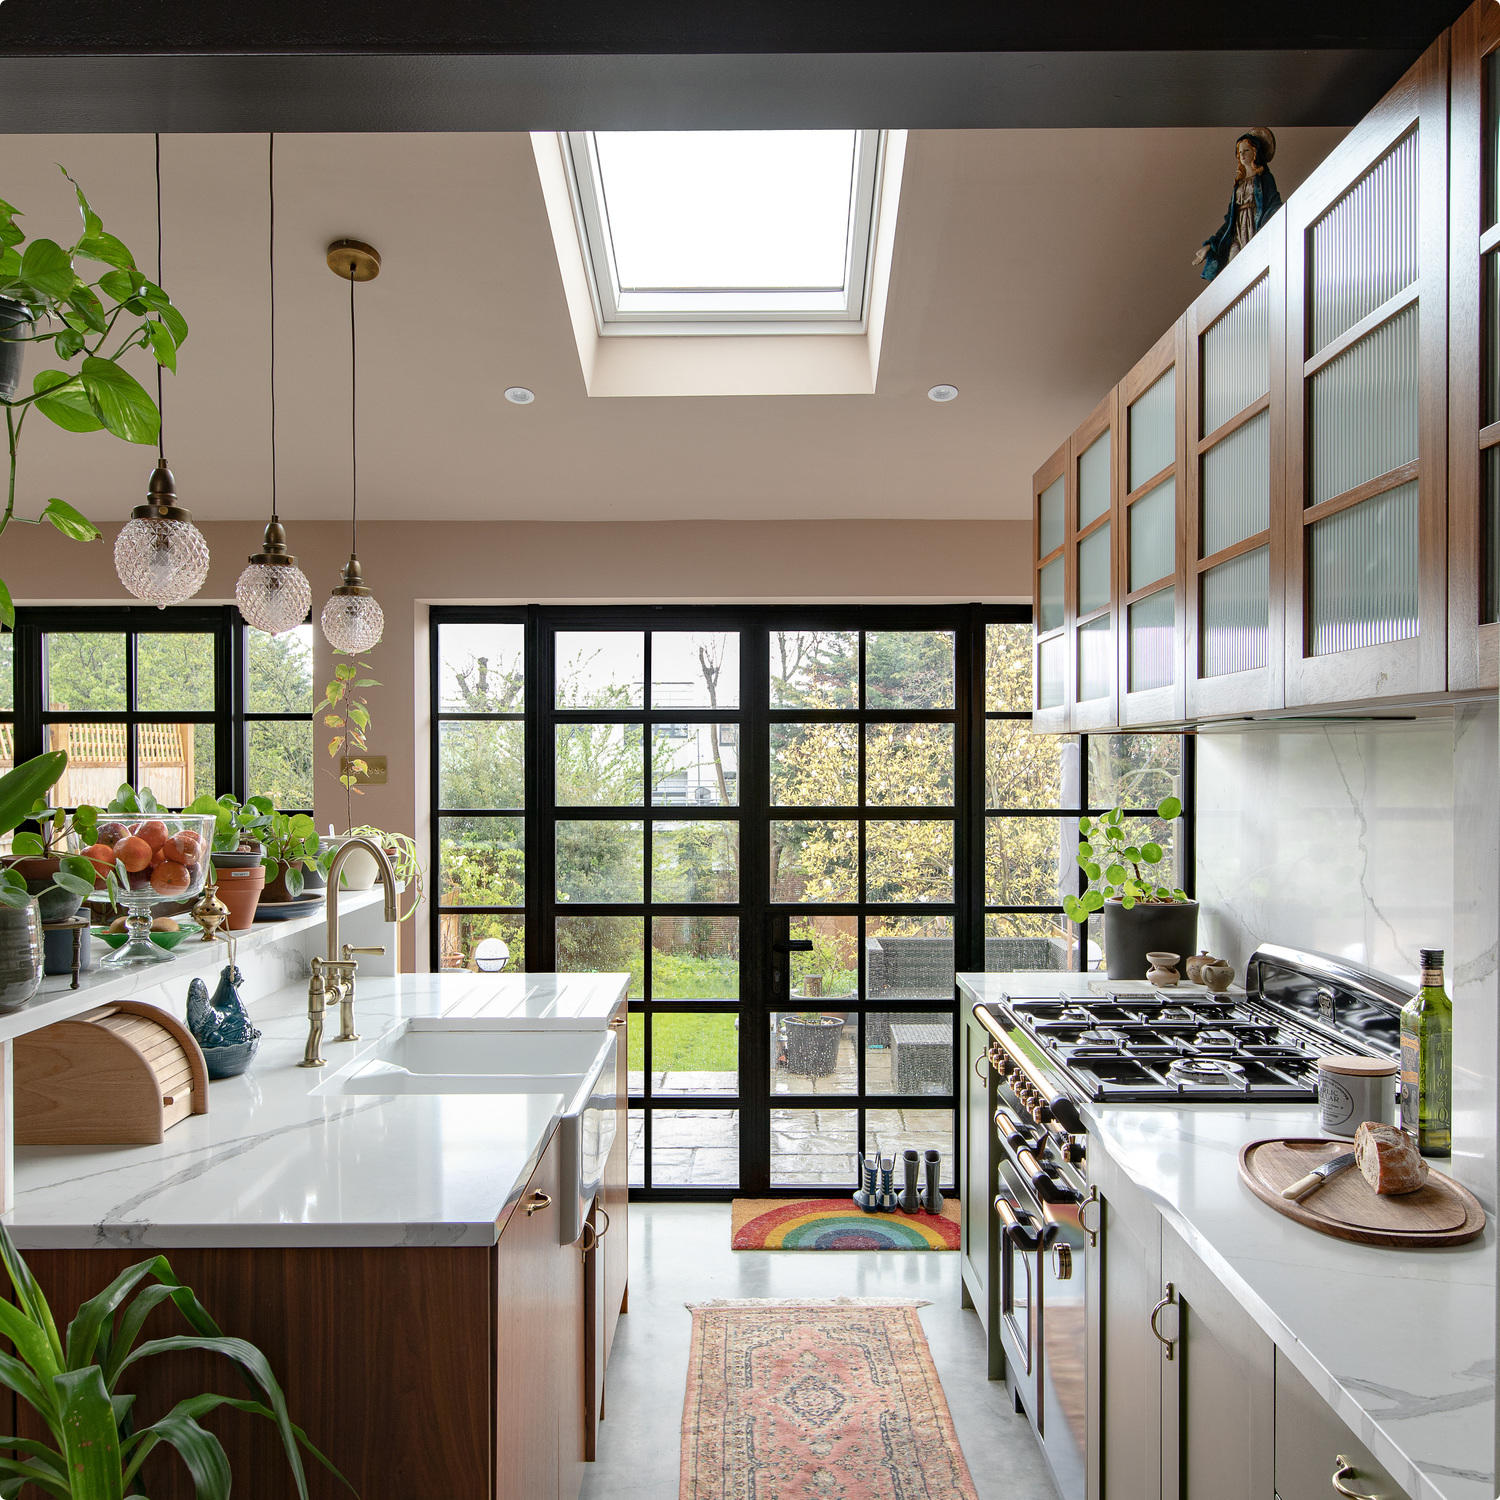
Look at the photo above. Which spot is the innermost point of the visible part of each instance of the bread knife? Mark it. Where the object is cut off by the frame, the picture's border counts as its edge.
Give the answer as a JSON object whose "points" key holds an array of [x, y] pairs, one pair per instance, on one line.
{"points": [[1315, 1179]]}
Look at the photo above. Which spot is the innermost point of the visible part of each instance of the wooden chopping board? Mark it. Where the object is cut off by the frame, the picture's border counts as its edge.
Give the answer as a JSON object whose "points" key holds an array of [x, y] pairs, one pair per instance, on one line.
{"points": [[1441, 1212]]}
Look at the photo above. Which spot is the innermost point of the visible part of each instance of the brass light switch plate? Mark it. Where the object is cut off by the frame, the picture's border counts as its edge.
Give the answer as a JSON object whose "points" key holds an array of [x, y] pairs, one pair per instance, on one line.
{"points": [[374, 773]]}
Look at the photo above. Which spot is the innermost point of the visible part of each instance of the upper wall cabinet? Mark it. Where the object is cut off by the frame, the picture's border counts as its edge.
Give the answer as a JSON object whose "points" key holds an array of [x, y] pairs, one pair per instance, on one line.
{"points": [[1366, 410], [1051, 505], [1091, 547], [1474, 350], [1236, 425], [1149, 535]]}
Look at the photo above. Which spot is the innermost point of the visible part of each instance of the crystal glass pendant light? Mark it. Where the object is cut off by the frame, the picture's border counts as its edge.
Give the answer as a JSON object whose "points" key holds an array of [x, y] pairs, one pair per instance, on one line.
{"points": [[273, 592], [160, 556], [352, 619]]}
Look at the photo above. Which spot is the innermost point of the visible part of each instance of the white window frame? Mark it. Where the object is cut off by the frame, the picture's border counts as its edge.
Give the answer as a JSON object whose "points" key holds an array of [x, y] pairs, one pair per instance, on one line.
{"points": [[778, 310]]}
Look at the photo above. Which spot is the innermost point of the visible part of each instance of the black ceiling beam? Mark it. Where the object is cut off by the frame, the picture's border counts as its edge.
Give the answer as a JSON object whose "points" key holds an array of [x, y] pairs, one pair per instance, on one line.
{"points": [[180, 65]]}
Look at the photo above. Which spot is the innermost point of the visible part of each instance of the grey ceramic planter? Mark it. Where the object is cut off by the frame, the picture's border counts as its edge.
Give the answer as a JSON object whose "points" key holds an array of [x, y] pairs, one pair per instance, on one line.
{"points": [[20, 955], [1165, 927], [13, 316]]}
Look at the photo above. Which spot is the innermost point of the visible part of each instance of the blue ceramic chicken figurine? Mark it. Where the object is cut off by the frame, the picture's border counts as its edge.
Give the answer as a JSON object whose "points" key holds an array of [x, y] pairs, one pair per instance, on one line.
{"points": [[221, 1026]]}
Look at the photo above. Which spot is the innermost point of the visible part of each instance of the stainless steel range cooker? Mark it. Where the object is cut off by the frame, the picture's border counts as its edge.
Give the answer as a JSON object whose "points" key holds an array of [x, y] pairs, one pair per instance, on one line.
{"points": [[1051, 1053]]}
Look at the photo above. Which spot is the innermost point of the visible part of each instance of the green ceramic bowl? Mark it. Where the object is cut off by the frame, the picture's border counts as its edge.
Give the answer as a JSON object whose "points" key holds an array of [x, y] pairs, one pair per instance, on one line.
{"points": [[166, 940]]}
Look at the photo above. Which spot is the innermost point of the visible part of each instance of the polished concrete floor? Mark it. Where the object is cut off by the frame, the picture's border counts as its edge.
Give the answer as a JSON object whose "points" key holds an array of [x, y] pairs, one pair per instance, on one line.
{"points": [[680, 1253]]}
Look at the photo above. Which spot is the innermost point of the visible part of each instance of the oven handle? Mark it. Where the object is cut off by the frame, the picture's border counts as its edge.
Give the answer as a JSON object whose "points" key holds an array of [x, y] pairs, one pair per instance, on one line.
{"points": [[1026, 1237], [1060, 1106]]}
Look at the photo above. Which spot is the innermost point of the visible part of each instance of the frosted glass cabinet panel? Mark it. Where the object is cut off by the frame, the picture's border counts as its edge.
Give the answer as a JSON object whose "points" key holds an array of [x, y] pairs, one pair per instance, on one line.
{"points": [[1362, 573], [1052, 664], [1050, 596], [1237, 358], [1093, 570], [1362, 410], [1152, 521], [1490, 339], [1049, 517], [1489, 538], [1151, 626], [1094, 487], [1364, 250], [1236, 486], [1152, 426], [1094, 665], [1234, 614], [1490, 132]]}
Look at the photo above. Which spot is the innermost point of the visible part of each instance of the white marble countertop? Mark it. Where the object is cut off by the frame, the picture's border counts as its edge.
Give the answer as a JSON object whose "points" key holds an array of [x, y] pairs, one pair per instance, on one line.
{"points": [[1401, 1343], [273, 1163]]}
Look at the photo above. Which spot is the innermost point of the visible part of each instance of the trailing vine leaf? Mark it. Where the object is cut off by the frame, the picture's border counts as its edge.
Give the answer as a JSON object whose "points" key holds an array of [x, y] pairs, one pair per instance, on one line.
{"points": [[72, 523], [120, 401]]}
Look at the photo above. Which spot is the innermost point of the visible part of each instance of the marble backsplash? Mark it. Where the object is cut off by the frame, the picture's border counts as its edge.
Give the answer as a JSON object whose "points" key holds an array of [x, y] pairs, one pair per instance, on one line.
{"points": [[1367, 840]]}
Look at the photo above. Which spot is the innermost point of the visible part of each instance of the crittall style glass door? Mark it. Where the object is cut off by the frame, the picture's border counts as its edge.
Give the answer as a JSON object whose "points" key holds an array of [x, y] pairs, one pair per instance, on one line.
{"points": [[789, 827]]}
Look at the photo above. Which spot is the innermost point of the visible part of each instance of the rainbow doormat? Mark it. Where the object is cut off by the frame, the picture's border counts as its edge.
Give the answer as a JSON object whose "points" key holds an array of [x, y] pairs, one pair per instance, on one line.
{"points": [[836, 1224]]}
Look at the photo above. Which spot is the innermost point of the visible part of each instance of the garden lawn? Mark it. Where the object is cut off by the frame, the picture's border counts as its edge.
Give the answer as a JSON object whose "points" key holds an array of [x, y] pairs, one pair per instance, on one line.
{"points": [[686, 1044]]}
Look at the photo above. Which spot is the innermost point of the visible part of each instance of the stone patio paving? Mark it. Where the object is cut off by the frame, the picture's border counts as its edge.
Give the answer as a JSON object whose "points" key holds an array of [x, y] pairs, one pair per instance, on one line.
{"points": [[809, 1147]]}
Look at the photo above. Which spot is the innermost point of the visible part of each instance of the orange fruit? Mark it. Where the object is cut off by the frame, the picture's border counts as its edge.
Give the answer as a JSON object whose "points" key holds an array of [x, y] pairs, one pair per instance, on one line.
{"points": [[169, 877], [184, 848], [134, 853], [101, 856], [154, 833]]}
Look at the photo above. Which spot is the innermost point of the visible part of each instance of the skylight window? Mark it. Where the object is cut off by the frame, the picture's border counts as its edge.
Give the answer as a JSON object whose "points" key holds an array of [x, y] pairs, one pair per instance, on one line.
{"points": [[713, 231]]}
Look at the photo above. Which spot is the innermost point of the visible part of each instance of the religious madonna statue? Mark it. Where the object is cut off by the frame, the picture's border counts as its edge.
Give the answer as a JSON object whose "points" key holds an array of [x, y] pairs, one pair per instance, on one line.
{"points": [[1252, 201]]}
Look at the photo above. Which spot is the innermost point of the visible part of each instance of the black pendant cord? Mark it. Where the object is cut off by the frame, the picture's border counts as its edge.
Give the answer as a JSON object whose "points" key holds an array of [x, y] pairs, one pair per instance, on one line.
{"points": [[271, 261], [353, 423], [161, 416]]}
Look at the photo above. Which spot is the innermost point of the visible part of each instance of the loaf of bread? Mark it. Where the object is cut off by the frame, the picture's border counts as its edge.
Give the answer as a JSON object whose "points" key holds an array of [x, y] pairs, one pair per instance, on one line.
{"points": [[1388, 1158]]}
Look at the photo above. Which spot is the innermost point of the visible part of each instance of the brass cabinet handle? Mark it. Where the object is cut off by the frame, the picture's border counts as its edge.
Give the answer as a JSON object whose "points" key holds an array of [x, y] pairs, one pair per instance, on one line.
{"points": [[537, 1202], [618, 1021], [600, 1233], [1168, 1297], [1093, 1234], [1344, 1470], [591, 1239]]}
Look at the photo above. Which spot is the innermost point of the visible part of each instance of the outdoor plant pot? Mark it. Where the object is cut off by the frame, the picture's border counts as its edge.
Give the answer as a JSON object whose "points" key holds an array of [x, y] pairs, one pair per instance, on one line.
{"points": [[812, 1047], [56, 904], [13, 316], [240, 890], [1148, 927], [20, 954]]}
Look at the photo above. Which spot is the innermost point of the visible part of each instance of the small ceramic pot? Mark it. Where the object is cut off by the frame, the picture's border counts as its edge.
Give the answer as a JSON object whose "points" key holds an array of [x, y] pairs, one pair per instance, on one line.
{"points": [[20, 955], [1193, 968], [1163, 971], [1218, 975], [240, 890], [277, 889]]}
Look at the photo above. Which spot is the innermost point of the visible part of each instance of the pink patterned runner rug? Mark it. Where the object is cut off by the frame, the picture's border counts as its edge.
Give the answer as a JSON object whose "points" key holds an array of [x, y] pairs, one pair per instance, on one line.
{"points": [[816, 1401]]}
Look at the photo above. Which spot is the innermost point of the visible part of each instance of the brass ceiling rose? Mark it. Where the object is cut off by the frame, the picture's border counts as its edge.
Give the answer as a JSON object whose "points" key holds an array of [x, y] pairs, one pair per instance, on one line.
{"points": [[354, 260]]}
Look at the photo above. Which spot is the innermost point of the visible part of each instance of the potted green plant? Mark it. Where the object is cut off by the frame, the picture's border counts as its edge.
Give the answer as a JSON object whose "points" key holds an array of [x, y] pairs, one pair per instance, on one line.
{"points": [[20, 913], [90, 322], [812, 1043], [359, 873], [291, 848], [39, 857], [93, 1448], [1142, 914]]}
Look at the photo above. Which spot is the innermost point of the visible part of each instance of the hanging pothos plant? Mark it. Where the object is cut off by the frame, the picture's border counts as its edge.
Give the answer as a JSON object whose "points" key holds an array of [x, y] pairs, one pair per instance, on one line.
{"points": [[91, 323]]}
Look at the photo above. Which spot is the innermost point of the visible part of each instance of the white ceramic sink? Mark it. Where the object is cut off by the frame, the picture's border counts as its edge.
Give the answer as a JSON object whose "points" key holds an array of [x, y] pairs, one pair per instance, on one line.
{"points": [[433, 1056]]}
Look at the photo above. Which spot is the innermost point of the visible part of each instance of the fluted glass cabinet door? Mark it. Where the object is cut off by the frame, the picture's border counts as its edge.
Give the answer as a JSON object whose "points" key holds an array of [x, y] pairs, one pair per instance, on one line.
{"points": [[1474, 350], [1367, 603], [1152, 430], [1050, 597], [1093, 570], [1094, 487], [1095, 668], [1052, 664], [1152, 522], [1236, 486], [1151, 630], [1234, 615], [1052, 584], [1237, 358], [1050, 522]]}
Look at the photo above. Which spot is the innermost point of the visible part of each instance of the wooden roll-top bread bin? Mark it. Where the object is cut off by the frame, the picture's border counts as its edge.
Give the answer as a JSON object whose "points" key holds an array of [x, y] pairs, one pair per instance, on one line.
{"points": [[117, 1076]]}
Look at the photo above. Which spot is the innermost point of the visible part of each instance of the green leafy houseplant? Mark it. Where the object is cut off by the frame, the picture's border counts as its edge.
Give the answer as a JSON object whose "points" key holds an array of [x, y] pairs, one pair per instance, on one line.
{"points": [[346, 712], [1116, 868], [236, 822], [405, 861], [93, 1450], [292, 846], [91, 322], [22, 796]]}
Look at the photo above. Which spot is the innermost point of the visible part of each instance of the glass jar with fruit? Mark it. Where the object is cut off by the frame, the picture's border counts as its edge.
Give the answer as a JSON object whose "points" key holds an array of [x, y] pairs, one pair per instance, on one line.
{"points": [[147, 862]]}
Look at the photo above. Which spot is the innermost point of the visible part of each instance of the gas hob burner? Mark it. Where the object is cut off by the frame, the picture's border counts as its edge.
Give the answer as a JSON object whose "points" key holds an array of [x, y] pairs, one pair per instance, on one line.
{"points": [[1211, 1070]]}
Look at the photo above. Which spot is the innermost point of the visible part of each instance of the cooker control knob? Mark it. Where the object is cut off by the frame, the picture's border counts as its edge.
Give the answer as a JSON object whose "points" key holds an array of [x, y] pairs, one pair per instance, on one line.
{"points": [[1062, 1262]]}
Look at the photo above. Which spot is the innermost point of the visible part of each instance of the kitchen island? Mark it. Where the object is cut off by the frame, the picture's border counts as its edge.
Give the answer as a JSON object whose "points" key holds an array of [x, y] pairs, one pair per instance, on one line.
{"points": [[1399, 1344], [397, 1257]]}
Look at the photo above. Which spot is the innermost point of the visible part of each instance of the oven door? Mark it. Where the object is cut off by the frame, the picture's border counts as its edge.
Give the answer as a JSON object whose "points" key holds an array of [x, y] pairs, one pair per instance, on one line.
{"points": [[1022, 1233], [1064, 1374]]}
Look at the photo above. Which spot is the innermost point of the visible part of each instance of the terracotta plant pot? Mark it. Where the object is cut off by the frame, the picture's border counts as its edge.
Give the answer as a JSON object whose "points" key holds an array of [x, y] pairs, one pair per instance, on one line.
{"points": [[277, 889], [240, 890]]}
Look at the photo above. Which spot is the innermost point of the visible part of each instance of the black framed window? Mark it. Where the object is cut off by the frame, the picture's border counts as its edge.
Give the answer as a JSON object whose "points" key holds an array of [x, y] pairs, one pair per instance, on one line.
{"points": [[685, 793], [158, 698]]}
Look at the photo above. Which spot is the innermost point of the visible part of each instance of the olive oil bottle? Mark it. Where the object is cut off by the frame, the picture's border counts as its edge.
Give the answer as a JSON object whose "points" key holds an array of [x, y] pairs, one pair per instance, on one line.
{"points": [[1427, 1061]]}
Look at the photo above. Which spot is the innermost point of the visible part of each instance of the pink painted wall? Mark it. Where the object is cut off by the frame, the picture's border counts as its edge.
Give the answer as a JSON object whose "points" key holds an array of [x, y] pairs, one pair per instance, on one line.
{"points": [[412, 565]]}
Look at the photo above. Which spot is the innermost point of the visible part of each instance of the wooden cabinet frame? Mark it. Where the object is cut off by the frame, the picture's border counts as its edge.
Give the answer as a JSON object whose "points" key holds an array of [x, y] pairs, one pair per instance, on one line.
{"points": [[1103, 712], [1473, 646], [1056, 719], [1418, 664], [1165, 704], [1258, 689]]}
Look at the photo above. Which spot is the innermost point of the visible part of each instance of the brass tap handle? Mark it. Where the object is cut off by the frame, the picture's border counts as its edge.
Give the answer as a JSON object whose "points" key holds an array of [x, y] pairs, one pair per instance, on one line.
{"points": [[347, 1033], [348, 950], [317, 1000], [1344, 1471]]}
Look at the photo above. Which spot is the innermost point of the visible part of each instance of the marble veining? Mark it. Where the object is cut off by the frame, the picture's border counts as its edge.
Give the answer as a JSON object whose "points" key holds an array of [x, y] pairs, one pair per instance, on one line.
{"points": [[1400, 1343]]}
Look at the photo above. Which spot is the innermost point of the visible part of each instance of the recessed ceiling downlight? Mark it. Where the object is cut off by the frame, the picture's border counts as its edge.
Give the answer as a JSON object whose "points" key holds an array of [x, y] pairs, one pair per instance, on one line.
{"points": [[943, 393], [519, 395]]}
